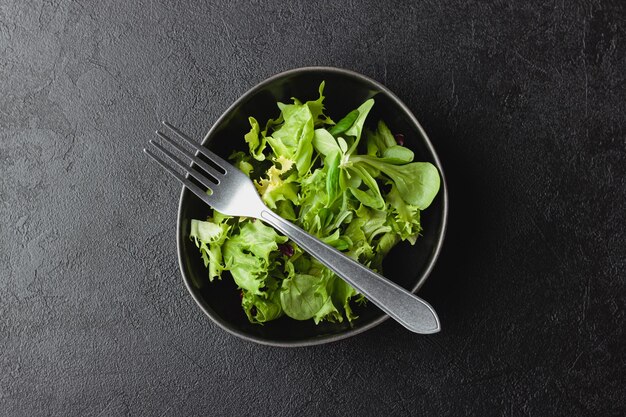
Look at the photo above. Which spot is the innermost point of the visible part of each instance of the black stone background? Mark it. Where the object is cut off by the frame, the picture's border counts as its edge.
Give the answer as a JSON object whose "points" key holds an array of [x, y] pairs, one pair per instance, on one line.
{"points": [[524, 101]]}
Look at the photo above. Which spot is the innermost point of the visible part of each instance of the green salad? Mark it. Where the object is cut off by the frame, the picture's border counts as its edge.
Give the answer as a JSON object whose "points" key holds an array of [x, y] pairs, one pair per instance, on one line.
{"points": [[356, 189]]}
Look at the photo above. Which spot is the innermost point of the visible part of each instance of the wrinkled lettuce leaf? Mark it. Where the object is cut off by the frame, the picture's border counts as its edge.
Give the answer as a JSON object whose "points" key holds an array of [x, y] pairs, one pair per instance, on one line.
{"points": [[274, 187], [247, 255], [209, 236]]}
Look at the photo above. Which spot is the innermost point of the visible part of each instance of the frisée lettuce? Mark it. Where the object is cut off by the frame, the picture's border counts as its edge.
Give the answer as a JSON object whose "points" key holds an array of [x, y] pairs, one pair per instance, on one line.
{"points": [[356, 189]]}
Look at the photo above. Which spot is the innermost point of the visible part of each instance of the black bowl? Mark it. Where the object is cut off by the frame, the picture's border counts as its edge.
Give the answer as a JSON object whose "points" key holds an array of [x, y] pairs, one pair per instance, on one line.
{"points": [[407, 265]]}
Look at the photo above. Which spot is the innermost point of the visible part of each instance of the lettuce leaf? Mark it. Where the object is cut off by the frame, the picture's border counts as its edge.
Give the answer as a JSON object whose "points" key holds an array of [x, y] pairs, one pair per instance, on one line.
{"points": [[246, 255], [417, 183], [260, 309], [302, 296], [255, 140], [209, 236], [274, 187]]}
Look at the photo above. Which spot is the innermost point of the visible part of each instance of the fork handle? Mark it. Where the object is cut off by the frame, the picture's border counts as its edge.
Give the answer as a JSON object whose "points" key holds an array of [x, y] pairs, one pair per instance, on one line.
{"points": [[406, 308]]}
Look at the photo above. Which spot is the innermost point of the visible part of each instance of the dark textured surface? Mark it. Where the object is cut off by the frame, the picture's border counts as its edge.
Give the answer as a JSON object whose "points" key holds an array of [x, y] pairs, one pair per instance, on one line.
{"points": [[524, 102]]}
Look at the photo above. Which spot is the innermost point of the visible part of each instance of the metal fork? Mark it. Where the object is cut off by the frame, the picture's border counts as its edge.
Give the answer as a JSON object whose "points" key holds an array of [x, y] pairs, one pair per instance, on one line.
{"points": [[231, 192]]}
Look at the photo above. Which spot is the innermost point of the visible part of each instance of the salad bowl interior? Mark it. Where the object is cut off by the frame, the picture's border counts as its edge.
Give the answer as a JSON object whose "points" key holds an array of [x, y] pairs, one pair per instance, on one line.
{"points": [[407, 265]]}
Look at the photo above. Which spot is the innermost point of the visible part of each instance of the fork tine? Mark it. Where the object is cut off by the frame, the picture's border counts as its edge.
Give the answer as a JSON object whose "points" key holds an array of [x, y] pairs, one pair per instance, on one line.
{"points": [[217, 160], [204, 180], [190, 185], [208, 168]]}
